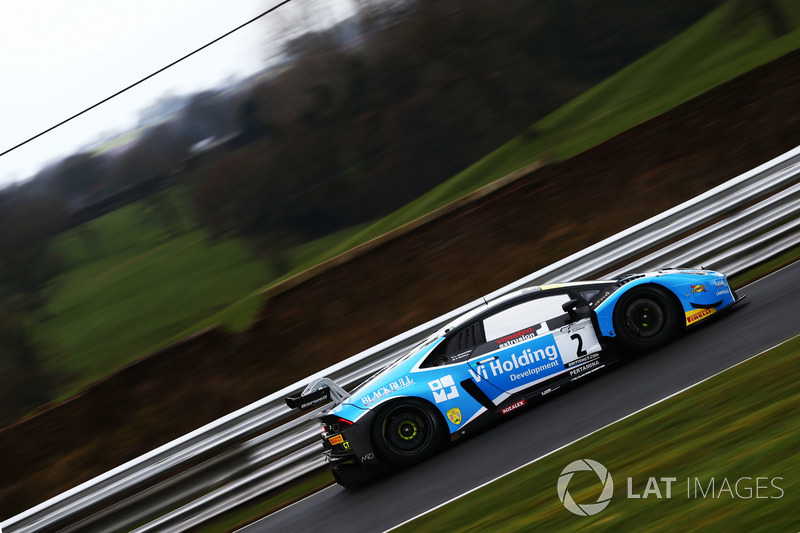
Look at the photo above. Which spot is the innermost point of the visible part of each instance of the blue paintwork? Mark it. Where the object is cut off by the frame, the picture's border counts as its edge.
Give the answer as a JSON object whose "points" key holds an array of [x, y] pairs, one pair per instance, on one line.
{"points": [[405, 379]]}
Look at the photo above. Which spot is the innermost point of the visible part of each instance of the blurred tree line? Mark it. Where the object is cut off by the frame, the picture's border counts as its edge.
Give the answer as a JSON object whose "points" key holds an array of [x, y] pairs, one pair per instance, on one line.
{"points": [[359, 119], [29, 217], [377, 110]]}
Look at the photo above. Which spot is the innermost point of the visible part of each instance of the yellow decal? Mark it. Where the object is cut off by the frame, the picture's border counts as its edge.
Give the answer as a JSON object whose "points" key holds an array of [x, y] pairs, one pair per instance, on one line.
{"points": [[698, 314], [336, 440], [698, 288], [454, 415], [346, 445], [551, 286]]}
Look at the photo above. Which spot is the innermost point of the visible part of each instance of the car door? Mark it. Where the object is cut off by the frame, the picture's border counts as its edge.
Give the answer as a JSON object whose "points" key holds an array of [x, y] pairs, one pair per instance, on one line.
{"points": [[529, 342]]}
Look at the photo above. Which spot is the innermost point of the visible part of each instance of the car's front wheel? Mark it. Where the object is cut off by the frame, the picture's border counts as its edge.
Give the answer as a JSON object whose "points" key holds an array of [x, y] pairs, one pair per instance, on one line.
{"points": [[647, 318], [407, 432]]}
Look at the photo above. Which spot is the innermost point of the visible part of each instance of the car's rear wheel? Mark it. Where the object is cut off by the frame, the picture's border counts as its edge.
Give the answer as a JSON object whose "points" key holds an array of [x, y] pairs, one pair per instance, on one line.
{"points": [[647, 318], [407, 432]]}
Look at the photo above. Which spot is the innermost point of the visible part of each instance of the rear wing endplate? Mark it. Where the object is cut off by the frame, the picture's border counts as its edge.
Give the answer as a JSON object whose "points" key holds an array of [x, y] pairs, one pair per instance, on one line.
{"points": [[318, 393]]}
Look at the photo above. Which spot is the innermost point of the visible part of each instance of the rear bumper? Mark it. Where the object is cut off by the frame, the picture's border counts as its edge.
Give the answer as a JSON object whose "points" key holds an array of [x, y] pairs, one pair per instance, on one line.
{"points": [[352, 445]]}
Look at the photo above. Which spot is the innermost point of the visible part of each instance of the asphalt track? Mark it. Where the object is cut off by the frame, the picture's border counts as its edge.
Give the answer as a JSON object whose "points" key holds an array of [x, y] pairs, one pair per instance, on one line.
{"points": [[768, 317]]}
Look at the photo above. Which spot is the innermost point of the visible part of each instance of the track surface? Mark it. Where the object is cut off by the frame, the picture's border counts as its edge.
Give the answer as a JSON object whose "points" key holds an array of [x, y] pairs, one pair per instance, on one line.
{"points": [[768, 317]]}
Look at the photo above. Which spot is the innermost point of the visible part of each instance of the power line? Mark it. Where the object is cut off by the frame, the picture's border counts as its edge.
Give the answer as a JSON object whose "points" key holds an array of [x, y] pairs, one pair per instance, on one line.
{"points": [[157, 72]]}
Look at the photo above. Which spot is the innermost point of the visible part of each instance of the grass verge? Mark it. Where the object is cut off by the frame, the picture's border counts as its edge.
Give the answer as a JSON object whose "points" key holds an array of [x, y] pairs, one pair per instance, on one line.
{"points": [[768, 267], [739, 424]]}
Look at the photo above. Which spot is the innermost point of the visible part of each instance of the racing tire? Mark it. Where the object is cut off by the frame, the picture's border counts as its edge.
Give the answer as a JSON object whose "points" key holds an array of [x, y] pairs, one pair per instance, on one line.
{"points": [[647, 318], [407, 432]]}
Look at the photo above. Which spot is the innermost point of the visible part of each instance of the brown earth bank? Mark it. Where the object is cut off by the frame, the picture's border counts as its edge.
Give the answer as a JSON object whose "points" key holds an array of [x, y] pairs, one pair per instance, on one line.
{"points": [[397, 284]]}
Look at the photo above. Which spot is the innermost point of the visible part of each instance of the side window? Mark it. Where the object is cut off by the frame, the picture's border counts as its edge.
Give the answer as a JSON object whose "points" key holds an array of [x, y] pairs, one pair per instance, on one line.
{"points": [[457, 346], [467, 338], [524, 315]]}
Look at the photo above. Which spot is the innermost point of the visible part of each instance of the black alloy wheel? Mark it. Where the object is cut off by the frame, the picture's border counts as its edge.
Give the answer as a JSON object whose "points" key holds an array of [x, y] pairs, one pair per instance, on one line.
{"points": [[407, 432], [647, 318]]}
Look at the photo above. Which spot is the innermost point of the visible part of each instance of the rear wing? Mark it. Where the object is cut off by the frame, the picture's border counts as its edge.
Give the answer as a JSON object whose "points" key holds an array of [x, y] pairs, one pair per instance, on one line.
{"points": [[317, 393]]}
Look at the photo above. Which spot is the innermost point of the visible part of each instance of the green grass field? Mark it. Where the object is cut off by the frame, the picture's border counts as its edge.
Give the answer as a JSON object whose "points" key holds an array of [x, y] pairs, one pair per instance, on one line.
{"points": [[739, 424], [132, 286]]}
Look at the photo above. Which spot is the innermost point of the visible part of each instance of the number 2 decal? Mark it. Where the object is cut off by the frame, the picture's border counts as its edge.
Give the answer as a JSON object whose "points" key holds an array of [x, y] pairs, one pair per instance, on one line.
{"points": [[576, 337]]}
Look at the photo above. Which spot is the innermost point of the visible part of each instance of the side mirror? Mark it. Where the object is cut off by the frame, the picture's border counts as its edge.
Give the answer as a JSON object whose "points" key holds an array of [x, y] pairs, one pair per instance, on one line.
{"points": [[575, 309]]}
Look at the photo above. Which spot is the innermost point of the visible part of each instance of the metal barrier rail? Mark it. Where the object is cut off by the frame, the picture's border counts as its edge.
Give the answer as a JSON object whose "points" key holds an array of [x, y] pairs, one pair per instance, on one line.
{"points": [[243, 455]]}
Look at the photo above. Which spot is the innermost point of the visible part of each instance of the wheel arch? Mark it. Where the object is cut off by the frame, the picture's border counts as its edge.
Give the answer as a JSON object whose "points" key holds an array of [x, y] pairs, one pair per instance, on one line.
{"points": [[605, 311], [665, 289], [630, 340], [379, 409]]}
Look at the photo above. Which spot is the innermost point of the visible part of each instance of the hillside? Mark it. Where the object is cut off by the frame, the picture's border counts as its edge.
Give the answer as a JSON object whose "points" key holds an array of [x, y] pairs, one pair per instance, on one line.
{"points": [[704, 56]]}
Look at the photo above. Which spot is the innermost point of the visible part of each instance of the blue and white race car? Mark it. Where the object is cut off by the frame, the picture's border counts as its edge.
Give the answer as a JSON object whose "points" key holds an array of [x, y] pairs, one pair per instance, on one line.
{"points": [[501, 357]]}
